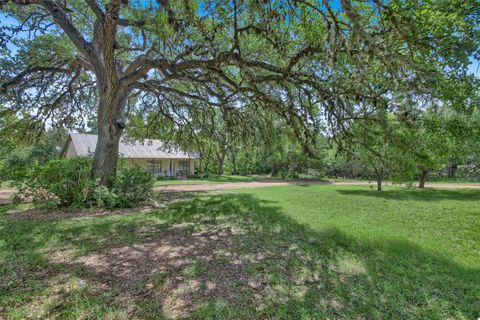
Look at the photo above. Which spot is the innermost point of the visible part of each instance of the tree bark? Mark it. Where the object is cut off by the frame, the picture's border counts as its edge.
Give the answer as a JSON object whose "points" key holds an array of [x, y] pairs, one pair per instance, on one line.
{"points": [[379, 179], [221, 157], [423, 175], [111, 122], [234, 163], [452, 170]]}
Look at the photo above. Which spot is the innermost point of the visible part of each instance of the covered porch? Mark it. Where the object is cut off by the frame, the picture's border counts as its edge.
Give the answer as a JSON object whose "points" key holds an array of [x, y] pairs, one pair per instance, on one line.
{"points": [[178, 168]]}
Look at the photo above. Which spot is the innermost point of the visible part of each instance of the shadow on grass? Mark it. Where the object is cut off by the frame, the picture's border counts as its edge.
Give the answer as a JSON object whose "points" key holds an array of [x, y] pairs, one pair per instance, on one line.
{"points": [[224, 256], [418, 195]]}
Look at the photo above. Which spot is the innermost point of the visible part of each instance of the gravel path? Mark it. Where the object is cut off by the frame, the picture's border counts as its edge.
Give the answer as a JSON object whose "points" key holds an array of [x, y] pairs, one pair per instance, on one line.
{"points": [[5, 194], [261, 184]]}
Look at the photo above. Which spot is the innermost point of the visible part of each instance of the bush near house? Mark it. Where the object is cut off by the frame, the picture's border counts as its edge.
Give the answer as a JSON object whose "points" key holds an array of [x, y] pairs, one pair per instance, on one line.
{"points": [[68, 183], [133, 186]]}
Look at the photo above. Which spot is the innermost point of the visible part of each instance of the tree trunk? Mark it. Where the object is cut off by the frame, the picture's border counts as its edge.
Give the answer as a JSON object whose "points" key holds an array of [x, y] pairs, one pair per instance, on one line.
{"points": [[111, 122], [423, 175], [452, 170], [200, 166], [379, 179], [221, 157], [234, 163]]}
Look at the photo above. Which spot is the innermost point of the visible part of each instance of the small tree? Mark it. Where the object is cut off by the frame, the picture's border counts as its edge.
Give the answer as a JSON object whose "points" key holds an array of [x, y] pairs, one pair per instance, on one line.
{"points": [[430, 138]]}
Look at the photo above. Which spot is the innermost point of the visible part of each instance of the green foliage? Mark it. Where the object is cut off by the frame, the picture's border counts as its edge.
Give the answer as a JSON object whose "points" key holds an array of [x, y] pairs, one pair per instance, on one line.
{"points": [[104, 198], [67, 179], [19, 153], [41, 48], [68, 183], [133, 185], [18, 163], [59, 183], [340, 165]]}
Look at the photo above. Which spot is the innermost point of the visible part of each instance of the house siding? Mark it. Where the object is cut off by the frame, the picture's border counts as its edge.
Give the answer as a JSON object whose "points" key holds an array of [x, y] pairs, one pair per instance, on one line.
{"points": [[136, 153], [165, 165], [71, 150]]}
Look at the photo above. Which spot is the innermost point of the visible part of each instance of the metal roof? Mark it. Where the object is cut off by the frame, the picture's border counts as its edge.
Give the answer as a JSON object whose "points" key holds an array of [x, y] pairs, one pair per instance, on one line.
{"points": [[85, 144]]}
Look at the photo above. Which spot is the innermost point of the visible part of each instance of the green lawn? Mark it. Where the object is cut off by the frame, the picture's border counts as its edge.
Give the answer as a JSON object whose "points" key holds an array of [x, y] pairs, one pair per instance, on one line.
{"points": [[296, 252], [475, 181], [210, 180]]}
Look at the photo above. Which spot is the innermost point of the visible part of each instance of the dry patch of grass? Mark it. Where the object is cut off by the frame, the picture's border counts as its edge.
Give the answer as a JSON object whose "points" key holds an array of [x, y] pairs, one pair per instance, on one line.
{"points": [[47, 215], [176, 266]]}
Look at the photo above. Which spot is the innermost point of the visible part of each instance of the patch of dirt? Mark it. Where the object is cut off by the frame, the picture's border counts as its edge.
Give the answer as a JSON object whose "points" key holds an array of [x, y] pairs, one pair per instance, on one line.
{"points": [[232, 185], [262, 184], [5, 195], [175, 266]]}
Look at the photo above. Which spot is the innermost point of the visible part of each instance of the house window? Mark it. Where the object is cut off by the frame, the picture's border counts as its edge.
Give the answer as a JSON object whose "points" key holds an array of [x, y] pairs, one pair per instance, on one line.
{"points": [[184, 166], [154, 166]]}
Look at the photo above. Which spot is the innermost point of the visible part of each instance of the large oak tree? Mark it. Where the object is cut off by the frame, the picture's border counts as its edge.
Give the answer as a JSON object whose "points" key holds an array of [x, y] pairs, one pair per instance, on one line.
{"points": [[306, 61]]}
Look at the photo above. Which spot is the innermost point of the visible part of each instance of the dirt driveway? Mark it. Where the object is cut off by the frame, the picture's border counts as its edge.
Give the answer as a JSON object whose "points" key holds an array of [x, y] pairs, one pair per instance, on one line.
{"points": [[261, 184], [5, 194]]}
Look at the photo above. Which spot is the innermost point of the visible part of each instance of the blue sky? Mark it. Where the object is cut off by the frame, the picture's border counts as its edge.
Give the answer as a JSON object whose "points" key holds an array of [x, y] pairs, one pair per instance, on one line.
{"points": [[474, 68]]}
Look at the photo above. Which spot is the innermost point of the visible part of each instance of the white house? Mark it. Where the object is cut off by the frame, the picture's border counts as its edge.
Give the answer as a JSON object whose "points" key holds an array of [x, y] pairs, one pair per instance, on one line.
{"points": [[153, 155]]}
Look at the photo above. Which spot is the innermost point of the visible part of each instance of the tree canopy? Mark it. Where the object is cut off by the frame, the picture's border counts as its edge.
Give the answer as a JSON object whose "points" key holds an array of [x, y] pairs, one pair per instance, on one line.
{"points": [[317, 65]]}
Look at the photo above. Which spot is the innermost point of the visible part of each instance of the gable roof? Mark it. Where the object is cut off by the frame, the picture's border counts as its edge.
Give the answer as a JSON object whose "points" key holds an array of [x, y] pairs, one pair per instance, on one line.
{"points": [[85, 144]]}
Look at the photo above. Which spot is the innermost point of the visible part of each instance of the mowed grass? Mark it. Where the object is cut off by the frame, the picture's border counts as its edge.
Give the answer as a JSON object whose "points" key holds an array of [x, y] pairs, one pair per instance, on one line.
{"points": [[296, 252]]}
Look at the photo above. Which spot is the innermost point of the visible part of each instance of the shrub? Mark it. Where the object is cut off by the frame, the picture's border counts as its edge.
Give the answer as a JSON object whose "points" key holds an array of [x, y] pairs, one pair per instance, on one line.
{"points": [[68, 183], [69, 179], [104, 198], [133, 186], [17, 164], [58, 183]]}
